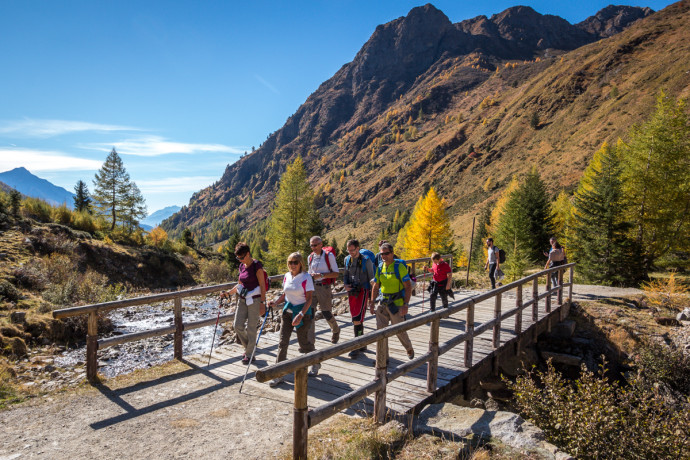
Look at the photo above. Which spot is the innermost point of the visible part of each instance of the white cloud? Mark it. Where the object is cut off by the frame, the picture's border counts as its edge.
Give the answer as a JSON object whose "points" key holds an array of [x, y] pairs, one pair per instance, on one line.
{"points": [[152, 146], [49, 128], [267, 84], [176, 184], [44, 160]]}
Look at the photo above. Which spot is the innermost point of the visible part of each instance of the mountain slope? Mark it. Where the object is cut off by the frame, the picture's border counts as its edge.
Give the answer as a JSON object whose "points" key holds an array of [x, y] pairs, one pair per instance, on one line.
{"points": [[155, 218], [376, 135], [30, 185]]}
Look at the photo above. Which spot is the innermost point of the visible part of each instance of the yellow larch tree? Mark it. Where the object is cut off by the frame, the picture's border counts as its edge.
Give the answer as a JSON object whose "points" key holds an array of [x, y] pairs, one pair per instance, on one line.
{"points": [[429, 228]]}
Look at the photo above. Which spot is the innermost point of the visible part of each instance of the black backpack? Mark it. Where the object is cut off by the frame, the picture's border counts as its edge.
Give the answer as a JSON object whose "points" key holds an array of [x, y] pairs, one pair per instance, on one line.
{"points": [[501, 256]]}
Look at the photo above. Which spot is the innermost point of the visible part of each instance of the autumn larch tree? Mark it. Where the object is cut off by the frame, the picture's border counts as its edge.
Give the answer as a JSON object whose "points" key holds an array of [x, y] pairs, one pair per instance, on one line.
{"points": [[428, 229]]}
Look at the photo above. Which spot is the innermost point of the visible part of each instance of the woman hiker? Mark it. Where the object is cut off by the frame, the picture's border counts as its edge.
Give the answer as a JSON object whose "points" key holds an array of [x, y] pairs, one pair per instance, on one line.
{"points": [[251, 303], [556, 258], [298, 289], [442, 280]]}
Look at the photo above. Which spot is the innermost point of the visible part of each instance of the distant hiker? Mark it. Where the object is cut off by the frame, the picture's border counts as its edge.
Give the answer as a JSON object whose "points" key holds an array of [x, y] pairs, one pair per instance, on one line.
{"points": [[556, 258], [298, 287], [251, 294], [442, 281], [358, 276], [492, 261], [324, 269], [392, 278]]}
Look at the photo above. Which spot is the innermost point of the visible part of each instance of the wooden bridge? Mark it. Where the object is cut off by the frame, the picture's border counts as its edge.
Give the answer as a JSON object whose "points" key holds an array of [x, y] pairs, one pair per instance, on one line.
{"points": [[382, 381]]}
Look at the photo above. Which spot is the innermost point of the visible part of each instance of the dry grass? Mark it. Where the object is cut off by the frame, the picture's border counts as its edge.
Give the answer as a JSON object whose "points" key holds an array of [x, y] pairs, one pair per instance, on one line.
{"points": [[184, 423]]}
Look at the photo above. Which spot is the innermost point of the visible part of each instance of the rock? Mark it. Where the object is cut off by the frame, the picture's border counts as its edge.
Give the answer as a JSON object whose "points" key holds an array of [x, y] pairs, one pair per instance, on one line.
{"points": [[49, 368], [501, 395], [492, 405], [458, 422], [684, 315], [563, 330], [477, 403], [562, 358], [492, 384], [18, 317]]}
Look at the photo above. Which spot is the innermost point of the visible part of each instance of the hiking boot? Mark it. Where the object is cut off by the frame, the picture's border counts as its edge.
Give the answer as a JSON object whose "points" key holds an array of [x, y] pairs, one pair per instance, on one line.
{"points": [[245, 359], [410, 354], [315, 369], [336, 336], [353, 354], [276, 381]]}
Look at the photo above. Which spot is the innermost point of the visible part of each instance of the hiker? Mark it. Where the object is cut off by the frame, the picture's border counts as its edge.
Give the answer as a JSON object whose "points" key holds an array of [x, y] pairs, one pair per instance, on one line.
{"points": [[392, 278], [492, 261], [378, 260], [358, 275], [298, 289], [442, 280], [324, 269], [556, 258], [251, 299]]}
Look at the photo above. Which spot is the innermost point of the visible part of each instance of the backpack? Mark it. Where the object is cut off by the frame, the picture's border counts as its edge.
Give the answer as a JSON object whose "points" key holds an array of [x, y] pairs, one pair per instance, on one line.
{"points": [[367, 254], [501, 256], [327, 250]]}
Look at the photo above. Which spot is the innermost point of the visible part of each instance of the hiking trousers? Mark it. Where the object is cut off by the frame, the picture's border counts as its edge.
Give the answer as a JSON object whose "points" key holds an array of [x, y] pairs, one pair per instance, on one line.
{"points": [[323, 297], [286, 327], [247, 314], [384, 316]]}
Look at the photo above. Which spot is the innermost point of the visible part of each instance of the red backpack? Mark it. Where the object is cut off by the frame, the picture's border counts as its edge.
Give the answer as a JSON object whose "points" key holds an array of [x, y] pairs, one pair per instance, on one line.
{"points": [[327, 250]]}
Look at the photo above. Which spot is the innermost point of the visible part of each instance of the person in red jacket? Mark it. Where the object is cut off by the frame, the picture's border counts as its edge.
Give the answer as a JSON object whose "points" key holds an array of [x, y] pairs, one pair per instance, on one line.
{"points": [[442, 281]]}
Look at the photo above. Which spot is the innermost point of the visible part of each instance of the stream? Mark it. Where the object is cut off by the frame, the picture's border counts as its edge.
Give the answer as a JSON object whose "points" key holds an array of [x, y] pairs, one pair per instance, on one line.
{"points": [[140, 354]]}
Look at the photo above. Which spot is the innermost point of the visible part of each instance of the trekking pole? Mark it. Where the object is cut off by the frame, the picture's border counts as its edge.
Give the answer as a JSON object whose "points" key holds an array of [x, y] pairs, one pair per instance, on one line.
{"points": [[215, 329], [254, 350]]}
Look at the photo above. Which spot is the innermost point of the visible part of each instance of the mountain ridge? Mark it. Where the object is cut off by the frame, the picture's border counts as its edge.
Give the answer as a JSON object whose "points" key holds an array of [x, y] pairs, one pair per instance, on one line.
{"points": [[338, 137], [22, 180]]}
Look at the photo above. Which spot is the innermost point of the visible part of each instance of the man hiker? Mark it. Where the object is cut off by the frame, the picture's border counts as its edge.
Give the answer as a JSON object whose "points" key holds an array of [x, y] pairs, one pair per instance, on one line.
{"points": [[393, 279], [492, 261], [324, 270], [358, 275]]}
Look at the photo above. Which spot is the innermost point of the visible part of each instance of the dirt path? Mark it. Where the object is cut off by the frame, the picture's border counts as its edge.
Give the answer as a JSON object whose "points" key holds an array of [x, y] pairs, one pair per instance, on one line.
{"points": [[190, 413]]}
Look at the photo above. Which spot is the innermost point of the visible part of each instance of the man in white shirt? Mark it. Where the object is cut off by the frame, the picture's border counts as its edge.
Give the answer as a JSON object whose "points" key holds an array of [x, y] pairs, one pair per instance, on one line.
{"points": [[324, 270]]}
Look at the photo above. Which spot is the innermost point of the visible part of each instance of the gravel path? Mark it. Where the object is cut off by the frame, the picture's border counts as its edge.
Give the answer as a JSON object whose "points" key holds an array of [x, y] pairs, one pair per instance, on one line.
{"points": [[190, 414]]}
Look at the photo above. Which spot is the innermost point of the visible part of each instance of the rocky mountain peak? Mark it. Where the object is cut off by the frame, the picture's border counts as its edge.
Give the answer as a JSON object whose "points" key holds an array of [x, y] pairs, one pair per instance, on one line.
{"points": [[613, 19]]}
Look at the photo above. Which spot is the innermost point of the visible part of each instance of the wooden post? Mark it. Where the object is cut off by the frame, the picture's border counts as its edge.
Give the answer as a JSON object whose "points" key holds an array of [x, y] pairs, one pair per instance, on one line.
{"points": [[469, 258], [469, 343], [547, 301], [178, 327], [381, 374], [300, 427], [92, 347], [535, 298], [432, 367], [560, 288], [497, 326], [570, 288], [518, 305]]}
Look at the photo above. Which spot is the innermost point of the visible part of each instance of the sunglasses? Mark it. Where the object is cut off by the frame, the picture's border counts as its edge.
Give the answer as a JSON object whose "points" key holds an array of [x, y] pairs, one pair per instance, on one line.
{"points": [[385, 253], [241, 257], [293, 262], [313, 245]]}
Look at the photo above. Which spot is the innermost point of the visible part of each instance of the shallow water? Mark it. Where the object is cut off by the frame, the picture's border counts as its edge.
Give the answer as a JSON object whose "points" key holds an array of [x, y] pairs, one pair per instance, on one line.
{"points": [[127, 357]]}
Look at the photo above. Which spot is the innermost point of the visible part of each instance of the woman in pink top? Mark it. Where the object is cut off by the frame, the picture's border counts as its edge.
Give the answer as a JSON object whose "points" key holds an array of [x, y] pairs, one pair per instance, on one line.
{"points": [[442, 280]]}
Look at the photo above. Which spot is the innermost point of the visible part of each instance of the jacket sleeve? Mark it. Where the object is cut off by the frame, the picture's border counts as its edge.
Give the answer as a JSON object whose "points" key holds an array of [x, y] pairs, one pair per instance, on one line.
{"points": [[370, 270]]}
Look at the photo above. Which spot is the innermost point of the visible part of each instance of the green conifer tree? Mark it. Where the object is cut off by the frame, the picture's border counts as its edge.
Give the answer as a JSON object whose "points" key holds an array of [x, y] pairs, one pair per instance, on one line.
{"points": [[15, 203], [294, 218], [111, 185], [82, 199], [601, 246], [656, 180]]}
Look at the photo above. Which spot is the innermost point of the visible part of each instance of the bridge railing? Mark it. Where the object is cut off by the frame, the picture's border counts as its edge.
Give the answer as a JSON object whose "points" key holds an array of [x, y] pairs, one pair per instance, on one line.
{"points": [[93, 344], [305, 418]]}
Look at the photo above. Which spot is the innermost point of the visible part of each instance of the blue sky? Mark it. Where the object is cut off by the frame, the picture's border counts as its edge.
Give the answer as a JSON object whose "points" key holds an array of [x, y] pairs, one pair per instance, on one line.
{"points": [[179, 88]]}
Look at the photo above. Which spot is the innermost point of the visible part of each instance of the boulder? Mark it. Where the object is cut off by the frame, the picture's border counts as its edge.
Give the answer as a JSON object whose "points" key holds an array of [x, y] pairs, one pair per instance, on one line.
{"points": [[562, 358], [458, 422], [18, 317], [684, 315]]}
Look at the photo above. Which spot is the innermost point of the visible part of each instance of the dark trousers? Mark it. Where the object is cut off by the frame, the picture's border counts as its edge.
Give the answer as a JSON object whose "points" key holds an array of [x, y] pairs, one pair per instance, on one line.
{"points": [[286, 327], [440, 290], [554, 275], [492, 275]]}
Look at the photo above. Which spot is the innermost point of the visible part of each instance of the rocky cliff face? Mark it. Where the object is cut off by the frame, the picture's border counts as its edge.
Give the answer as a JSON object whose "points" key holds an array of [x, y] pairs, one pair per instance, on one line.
{"points": [[417, 64]]}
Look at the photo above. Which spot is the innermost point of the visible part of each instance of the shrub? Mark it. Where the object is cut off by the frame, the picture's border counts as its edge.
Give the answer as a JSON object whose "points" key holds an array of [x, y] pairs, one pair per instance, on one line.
{"points": [[84, 221], [31, 275], [7, 389], [8, 291], [37, 209], [157, 237], [665, 365], [667, 293], [61, 215], [594, 418], [215, 271]]}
